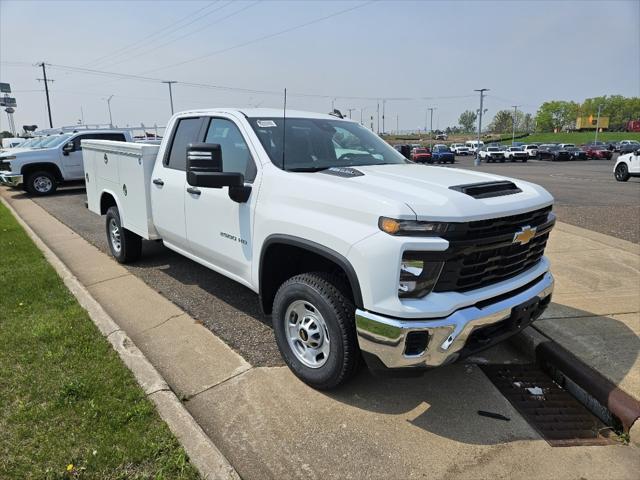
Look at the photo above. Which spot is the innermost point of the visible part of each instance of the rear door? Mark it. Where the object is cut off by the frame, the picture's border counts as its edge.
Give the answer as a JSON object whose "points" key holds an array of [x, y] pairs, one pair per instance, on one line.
{"points": [[219, 229], [169, 183], [72, 163]]}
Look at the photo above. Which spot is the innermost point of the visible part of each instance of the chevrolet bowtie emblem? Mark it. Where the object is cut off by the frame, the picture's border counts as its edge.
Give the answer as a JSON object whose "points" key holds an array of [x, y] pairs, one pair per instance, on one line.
{"points": [[525, 235]]}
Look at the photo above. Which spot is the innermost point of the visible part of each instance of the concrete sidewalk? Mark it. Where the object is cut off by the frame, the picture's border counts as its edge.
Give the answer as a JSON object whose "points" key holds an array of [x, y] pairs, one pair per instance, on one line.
{"points": [[595, 312], [270, 425]]}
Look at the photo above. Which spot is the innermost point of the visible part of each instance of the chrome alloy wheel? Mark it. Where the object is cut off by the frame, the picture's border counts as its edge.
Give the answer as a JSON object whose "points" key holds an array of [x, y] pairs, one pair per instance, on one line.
{"points": [[307, 334], [114, 233], [42, 184]]}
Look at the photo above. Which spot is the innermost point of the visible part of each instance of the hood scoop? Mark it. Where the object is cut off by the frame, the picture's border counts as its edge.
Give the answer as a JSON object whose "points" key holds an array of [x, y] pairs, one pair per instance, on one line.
{"points": [[345, 172], [487, 189]]}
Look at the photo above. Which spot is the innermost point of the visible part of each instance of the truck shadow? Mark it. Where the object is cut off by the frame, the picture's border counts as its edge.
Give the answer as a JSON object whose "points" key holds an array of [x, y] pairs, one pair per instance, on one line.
{"points": [[445, 400]]}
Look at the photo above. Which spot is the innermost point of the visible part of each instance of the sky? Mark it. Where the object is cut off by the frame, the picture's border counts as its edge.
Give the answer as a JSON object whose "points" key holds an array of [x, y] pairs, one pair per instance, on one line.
{"points": [[353, 55]]}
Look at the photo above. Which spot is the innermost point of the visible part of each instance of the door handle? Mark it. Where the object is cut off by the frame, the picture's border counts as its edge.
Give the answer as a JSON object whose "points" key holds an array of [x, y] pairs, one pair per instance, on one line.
{"points": [[193, 191], [158, 181]]}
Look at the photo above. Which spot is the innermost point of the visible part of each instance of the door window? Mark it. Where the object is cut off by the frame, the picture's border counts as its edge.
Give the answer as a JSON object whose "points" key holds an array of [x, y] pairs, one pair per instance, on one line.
{"points": [[97, 136], [236, 157], [186, 132]]}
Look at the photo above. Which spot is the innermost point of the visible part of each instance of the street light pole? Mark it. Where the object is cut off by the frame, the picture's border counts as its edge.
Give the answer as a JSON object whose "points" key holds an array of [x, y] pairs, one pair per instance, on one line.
{"points": [[170, 82], [481, 90], [109, 106], [431, 109], [597, 124], [515, 116]]}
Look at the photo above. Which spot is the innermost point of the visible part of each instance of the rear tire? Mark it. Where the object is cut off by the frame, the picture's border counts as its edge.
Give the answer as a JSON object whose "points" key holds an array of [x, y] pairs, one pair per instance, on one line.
{"points": [[622, 172], [124, 245], [314, 325], [41, 183]]}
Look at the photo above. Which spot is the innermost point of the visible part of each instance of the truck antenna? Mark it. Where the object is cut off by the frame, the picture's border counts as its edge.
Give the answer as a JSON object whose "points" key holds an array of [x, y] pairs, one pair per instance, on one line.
{"points": [[284, 130]]}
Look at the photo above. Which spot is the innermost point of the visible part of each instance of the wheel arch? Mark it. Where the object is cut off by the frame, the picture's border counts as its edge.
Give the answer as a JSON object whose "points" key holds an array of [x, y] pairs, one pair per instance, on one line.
{"points": [[46, 166], [109, 199], [303, 255]]}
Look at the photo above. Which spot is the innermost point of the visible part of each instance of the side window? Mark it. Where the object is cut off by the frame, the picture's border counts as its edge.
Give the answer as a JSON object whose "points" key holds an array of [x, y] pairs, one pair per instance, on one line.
{"points": [[235, 152], [97, 136], [185, 133]]}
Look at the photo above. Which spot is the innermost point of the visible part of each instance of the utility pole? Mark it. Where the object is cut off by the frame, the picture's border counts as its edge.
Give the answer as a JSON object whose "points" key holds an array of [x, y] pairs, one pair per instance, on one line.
{"points": [[597, 123], [378, 114], [109, 106], [481, 90], [350, 110], [383, 104], [397, 128], [46, 90], [431, 109], [170, 82], [515, 116]]}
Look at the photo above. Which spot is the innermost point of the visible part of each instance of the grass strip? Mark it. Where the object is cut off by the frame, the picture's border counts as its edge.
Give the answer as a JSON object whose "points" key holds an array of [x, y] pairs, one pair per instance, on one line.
{"points": [[69, 408]]}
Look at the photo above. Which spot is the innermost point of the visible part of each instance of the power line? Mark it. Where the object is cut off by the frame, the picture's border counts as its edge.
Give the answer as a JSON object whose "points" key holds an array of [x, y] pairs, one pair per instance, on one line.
{"points": [[161, 31], [156, 48], [264, 37]]}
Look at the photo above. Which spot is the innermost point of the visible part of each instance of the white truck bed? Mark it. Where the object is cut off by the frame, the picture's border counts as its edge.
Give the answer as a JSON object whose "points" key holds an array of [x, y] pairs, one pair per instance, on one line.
{"points": [[122, 169]]}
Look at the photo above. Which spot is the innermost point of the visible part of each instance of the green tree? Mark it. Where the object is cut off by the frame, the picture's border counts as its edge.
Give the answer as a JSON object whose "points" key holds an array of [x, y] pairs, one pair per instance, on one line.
{"points": [[6, 134], [467, 120], [619, 109], [528, 123], [502, 122], [556, 115]]}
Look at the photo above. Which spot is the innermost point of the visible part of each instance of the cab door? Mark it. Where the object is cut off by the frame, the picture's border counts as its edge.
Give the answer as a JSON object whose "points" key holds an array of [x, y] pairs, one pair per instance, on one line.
{"points": [[169, 182], [219, 229]]}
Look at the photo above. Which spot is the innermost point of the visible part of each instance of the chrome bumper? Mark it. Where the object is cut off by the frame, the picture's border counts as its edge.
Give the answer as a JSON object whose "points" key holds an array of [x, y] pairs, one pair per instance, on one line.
{"points": [[10, 179], [385, 337]]}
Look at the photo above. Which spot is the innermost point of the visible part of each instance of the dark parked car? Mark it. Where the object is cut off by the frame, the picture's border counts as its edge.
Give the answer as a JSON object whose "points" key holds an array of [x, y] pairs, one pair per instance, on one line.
{"points": [[553, 153], [628, 147], [576, 153], [442, 154], [421, 155], [598, 152]]}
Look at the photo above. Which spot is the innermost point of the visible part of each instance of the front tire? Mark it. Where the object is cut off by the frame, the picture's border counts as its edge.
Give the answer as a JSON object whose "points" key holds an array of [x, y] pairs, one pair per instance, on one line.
{"points": [[314, 325], [622, 172], [41, 183], [125, 246]]}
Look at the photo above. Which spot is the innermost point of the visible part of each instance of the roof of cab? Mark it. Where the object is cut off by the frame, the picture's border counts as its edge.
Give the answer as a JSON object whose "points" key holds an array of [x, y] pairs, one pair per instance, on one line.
{"points": [[263, 113]]}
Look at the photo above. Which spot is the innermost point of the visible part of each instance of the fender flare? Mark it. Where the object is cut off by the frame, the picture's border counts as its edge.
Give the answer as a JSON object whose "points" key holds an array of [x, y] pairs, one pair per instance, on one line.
{"points": [[318, 249], [118, 205]]}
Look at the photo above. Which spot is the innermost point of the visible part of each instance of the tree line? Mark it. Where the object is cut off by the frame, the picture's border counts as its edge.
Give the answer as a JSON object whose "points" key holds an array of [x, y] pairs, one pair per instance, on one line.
{"points": [[559, 115]]}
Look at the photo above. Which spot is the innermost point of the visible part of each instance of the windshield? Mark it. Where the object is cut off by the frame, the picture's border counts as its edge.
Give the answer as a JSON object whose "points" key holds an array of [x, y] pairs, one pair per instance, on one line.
{"points": [[317, 144], [441, 148], [493, 149], [515, 149], [54, 141]]}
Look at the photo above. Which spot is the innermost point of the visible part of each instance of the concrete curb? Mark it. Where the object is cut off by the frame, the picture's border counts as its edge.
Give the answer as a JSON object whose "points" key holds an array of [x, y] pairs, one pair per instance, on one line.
{"points": [[619, 403], [203, 454]]}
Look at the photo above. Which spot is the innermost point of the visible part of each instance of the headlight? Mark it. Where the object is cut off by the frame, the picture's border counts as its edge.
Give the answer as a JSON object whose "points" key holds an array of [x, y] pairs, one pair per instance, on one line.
{"points": [[417, 276], [411, 227]]}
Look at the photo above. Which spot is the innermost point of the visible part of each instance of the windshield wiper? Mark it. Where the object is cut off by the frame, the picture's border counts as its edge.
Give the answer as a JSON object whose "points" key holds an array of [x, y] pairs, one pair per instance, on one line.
{"points": [[307, 169]]}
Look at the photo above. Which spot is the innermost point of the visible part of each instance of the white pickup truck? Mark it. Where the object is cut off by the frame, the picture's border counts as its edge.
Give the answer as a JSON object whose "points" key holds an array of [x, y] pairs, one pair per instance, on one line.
{"points": [[50, 161], [355, 251]]}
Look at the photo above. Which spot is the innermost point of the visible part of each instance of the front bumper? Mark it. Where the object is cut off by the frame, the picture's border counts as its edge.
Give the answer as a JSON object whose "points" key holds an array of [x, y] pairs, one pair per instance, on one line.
{"points": [[10, 179], [449, 338]]}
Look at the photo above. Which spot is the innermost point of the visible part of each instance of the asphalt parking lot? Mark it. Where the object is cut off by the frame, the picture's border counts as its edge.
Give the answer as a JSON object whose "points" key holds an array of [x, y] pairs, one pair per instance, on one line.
{"points": [[587, 195]]}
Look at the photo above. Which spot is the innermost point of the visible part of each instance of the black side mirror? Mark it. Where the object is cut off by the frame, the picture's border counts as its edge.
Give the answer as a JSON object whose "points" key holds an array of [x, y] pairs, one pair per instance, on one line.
{"points": [[637, 153], [204, 167], [68, 148]]}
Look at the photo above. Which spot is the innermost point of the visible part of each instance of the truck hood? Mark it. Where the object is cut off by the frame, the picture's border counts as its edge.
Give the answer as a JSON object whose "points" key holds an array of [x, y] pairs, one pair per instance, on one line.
{"points": [[426, 190], [29, 154]]}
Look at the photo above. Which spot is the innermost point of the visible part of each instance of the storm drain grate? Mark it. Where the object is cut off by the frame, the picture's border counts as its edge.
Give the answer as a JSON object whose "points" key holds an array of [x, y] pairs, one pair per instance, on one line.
{"points": [[558, 417]]}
